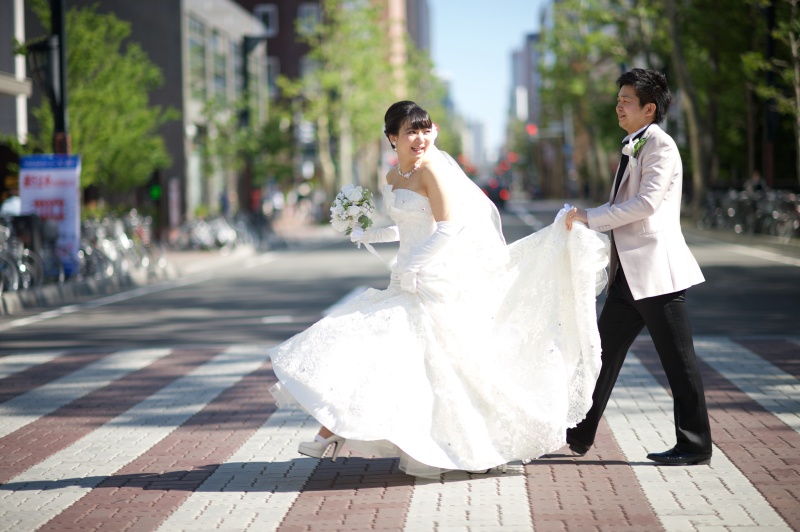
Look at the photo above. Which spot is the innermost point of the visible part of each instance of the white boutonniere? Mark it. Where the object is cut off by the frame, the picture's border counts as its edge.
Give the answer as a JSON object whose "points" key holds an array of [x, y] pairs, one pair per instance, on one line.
{"points": [[631, 149]]}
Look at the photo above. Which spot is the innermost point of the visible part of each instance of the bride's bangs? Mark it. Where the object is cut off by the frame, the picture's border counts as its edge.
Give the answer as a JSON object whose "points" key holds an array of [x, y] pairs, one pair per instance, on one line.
{"points": [[419, 119]]}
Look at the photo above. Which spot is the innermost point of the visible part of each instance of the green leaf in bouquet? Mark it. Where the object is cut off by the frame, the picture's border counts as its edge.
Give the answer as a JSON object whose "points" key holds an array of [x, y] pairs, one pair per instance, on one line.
{"points": [[365, 221]]}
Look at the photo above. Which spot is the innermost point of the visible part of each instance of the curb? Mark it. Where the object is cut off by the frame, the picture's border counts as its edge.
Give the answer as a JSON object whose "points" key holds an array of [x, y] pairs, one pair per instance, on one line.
{"points": [[178, 266], [57, 295], [789, 247]]}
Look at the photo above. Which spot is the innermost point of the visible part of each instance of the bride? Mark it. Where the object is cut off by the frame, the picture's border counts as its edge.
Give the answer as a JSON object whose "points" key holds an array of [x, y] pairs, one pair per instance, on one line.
{"points": [[477, 353]]}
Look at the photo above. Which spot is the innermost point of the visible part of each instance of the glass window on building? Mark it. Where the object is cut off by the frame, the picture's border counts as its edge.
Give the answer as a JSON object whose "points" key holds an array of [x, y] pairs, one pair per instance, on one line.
{"points": [[308, 16], [273, 71], [268, 14], [220, 62], [307, 66], [238, 73], [197, 59]]}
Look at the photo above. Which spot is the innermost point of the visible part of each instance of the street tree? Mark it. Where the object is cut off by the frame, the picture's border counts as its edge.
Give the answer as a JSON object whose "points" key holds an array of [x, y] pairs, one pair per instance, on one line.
{"points": [[114, 128], [786, 95], [346, 87]]}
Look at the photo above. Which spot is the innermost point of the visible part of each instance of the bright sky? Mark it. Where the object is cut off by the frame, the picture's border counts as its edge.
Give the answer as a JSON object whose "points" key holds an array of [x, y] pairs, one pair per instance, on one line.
{"points": [[471, 43]]}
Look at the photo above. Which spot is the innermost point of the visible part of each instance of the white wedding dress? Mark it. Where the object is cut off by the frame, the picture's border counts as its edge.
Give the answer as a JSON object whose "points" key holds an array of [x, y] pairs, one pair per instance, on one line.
{"points": [[482, 366]]}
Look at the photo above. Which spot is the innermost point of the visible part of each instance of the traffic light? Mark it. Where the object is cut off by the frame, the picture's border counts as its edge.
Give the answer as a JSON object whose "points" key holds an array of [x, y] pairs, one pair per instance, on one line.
{"points": [[532, 130], [155, 192]]}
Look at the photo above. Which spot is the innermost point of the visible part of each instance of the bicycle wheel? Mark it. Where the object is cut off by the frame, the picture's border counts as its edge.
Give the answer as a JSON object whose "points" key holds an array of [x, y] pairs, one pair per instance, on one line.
{"points": [[53, 267], [9, 275], [34, 266]]}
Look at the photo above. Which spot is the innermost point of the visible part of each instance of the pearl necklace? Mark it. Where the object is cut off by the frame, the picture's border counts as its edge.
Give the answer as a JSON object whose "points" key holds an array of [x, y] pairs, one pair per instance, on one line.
{"points": [[407, 175]]}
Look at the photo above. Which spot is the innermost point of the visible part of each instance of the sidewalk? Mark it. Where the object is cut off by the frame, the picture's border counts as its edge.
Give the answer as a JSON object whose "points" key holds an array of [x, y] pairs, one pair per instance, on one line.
{"points": [[295, 233]]}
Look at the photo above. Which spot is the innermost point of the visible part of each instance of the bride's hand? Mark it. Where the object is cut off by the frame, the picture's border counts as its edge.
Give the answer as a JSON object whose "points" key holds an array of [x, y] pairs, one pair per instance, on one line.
{"points": [[356, 234]]}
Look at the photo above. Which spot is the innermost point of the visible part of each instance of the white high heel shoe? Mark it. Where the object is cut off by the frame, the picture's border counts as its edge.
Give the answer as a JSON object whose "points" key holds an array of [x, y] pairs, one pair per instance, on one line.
{"points": [[318, 447], [503, 469]]}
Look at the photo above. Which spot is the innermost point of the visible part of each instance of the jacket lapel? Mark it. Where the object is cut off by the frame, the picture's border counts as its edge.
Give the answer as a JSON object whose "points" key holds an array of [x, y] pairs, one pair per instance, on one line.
{"points": [[624, 178], [627, 173]]}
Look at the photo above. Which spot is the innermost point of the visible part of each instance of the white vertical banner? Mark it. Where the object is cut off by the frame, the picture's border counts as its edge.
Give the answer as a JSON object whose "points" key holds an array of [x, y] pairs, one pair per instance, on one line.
{"points": [[49, 185], [174, 201]]}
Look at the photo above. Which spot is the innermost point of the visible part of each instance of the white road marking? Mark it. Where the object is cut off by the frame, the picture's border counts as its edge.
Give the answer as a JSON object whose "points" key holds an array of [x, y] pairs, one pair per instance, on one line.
{"points": [[257, 485], [766, 384], [116, 298], [51, 486], [260, 260], [30, 406], [527, 218], [477, 503], [12, 364], [277, 319], [749, 251], [683, 498]]}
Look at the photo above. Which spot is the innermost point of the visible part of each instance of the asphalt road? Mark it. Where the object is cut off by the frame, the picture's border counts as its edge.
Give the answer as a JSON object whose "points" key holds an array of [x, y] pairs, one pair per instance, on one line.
{"points": [[748, 291]]}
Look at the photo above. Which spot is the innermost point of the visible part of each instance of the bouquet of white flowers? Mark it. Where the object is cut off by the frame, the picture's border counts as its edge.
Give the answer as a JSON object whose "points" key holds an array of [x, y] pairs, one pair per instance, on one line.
{"points": [[351, 209], [350, 212]]}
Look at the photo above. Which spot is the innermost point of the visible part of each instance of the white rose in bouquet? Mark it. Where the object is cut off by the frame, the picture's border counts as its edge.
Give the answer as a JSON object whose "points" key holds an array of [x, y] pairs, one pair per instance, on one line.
{"points": [[340, 224], [354, 194], [354, 211]]}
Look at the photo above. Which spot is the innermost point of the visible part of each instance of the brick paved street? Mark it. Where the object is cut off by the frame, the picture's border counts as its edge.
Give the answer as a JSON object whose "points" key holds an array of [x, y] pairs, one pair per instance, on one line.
{"points": [[152, 413], [190, 439]]}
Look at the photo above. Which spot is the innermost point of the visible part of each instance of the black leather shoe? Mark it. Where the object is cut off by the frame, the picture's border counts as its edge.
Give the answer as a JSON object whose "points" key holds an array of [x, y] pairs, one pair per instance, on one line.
{"points": [[577, 447], [677, 457]]}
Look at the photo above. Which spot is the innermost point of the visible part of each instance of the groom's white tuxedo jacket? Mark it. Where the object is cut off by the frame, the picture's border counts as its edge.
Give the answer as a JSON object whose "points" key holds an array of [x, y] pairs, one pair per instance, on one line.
{"points": [[645, 219]]}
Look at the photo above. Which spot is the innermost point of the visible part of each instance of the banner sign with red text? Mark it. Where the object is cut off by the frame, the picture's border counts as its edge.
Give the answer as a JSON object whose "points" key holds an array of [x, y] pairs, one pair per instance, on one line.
{"points": [[49, 185]]}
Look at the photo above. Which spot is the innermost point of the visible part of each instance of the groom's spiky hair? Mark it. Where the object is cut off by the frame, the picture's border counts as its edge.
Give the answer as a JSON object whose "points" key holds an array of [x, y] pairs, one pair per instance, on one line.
{"points": [[651, 87]]}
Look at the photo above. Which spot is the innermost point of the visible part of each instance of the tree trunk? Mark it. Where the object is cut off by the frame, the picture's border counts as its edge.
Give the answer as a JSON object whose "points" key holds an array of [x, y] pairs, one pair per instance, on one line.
{"points": [[697, 130], [345, 150], [751, 132], [794, 48], [325, 159]]}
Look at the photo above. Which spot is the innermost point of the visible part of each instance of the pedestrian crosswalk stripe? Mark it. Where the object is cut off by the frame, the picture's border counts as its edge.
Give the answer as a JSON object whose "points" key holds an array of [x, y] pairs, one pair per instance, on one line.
{"points": [[51, 486], [640, 416], [258, 484], [30, 406], [13, 364], [769, 386]]}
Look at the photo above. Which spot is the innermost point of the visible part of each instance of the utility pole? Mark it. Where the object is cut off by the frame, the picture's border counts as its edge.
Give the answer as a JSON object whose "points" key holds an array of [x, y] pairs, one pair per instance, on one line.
{"points": [[62, 142]]}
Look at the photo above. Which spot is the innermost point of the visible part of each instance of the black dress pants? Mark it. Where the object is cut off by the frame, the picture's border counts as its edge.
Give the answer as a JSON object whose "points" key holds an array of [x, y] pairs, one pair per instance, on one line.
{"points": [[622, 319]]}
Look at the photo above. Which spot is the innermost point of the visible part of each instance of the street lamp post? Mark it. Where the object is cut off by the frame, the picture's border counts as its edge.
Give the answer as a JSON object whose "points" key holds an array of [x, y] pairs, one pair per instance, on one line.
{"points": [[48, 65], [61, 138]]}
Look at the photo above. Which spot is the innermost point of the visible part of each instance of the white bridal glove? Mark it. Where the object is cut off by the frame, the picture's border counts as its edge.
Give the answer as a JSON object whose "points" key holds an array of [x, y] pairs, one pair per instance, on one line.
{"points": [[372, 236], [445, 232]]}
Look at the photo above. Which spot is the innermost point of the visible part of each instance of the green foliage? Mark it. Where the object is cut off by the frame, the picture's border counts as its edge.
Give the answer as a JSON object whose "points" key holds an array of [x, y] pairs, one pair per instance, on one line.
{"points": [[113, 127], [351, 75], [755, 65], [267, 146], [590, 42]]}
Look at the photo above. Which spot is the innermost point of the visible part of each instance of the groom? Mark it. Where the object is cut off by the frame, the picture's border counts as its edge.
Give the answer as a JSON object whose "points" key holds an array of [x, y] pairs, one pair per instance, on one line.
{"points": [[650, 269]]}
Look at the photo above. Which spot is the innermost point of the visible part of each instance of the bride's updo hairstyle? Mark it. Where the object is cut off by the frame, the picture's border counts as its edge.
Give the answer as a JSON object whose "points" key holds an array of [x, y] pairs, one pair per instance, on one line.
{"points": [[404, 112]]}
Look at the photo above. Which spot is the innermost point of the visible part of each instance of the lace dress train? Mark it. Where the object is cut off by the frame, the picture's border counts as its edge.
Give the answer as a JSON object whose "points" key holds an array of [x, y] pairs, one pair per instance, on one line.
{"points": [[470, 372]]}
